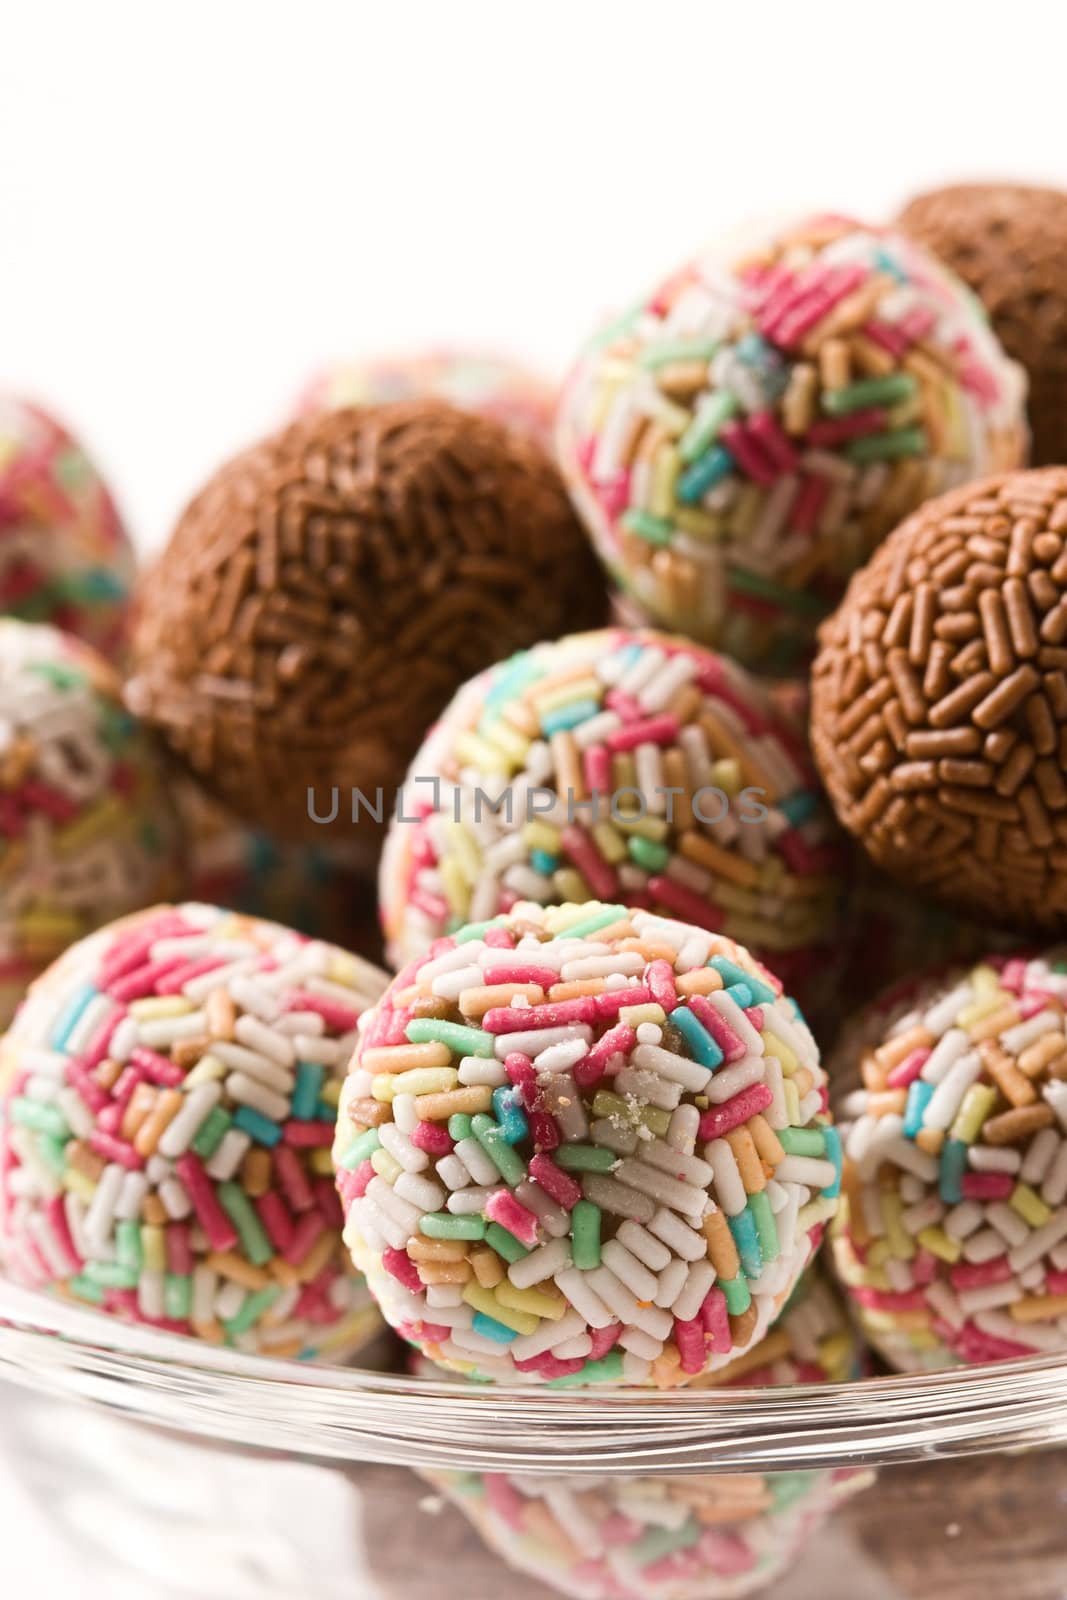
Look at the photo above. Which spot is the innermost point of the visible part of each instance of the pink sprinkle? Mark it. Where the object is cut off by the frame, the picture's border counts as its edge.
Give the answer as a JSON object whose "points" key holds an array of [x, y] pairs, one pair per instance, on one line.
{"points": [[129, 951], [341, 1018], [721, 1120], [755, 1017], [684, 903], [545, 976], [555, 1014], [520, 1071], [112, 1149], [975, 1275], [689, 1337], [400, 1266], [428, 1332], [764, 429], [504, 1499], [662, 729], [55, 1212], [1013, 975], [987, 1185], [614, 493], [660, 980], [308, 1230], [498, 939], [596, 769], [274, 1215], [293, 1181], [178, 1248], [176, 979], [725, 1553], [829, 432], [618, 1041], [550, 1366], [748, 453], [887, 1300], [604, 1339], [544, 1130], [556, 1183], [975, 1346], [629, 709], [730, 1043], [715, 1320], [908, 1069], [158, 1069], [617, 1528], [580, 848], [809, 501], [916, 323], [142, 981], [96, 1049], [804, 859], [388, 1026], [1056, 1282], [221, 1233], [611, 1002], [503, 1207], [328, 1204], [354, 1185], [432, 1137], [924, 1267], [888, 336], [308, 1135], [42, 797], [87, 1087]]}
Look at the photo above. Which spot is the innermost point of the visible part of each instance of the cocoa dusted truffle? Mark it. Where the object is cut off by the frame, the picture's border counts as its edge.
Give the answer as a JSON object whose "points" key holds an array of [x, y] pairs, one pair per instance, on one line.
{"points": [[1008, 242], [329, 589], [939, 703]]}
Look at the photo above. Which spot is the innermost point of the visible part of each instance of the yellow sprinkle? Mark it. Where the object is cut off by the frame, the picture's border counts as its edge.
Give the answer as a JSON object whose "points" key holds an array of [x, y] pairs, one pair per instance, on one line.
{"points": [[163, 1005], [321, 1163], [835, 1353], [46, 925], [153, 1249], [330, 1093], [109, 816], [937, 1241], [385, 1165], [79, 1184], [635, 1015], [819, 1210], [609, 842], [665, 466], [901, 1244], [773, 1046], [979, 1008], [502, 736], [559, 918], [463, 848], [1029, 1205], [207, 1070], [700, 524], [570, 884], [538, 835], [792, 1102], [485, 1301], [563, 694], [654, 828], [892, 1321], [455, 886], [726, 775], [420, 1080], [529, 1300], [978, 1102], [477, 752]]}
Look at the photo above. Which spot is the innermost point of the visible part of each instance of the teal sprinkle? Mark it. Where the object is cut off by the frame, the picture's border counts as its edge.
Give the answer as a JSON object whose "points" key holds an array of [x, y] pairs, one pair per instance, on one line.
{"points": [[569, 716], [798, 808], [490, 1328], [746, 1238], [543, 863], [71, 1014], [731, 973], [513, 1124], [654, 530], [887, 263], [832, 1142], [740, 994], [257, 1126], [704, 474], [919, 1096], [952, 1167], [697, 1037]]}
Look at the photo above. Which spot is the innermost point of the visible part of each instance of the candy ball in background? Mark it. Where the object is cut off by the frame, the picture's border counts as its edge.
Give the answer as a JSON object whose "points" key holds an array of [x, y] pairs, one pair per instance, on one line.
{"points": [[939, 701], [475, 381], [952, 1235], [584, 1145], [65, 558], [740, 441], [87, 827], [1008, 242], [743, 845], [169, 1092], [329, 589]]}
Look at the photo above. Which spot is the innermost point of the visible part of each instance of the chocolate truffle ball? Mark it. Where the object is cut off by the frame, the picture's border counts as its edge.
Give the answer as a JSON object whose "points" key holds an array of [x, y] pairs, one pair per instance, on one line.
{"points": [[1008, 242], [329, 589], [65, 558], [87, 828], [952, 1233], [740, 441], [585, 1143], [618, 764], [490, 385], [939, 703], [169, 1090]]}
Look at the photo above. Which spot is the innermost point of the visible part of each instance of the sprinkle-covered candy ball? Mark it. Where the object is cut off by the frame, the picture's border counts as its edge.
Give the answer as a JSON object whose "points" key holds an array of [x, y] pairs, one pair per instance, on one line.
{"points": [[474, 381], [1008, 242], [65, 558], [952, 1233], [620, 764], [742, 440], [170, 1087], [329, 589], [87, 829], [584, 1144], [939, 701]]}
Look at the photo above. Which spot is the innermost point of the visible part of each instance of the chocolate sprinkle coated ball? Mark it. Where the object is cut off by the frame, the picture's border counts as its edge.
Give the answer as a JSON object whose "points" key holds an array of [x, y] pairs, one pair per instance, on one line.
{"points": [[952, 1233], [939, 709], [740, 442], [517, 1149], [169, 1089], [1008, 242], [622, 764], [329, 589]]}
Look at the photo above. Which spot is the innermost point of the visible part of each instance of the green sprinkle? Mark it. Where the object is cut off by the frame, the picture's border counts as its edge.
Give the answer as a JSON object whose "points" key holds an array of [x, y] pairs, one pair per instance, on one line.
{"points": [[213, 1130], [736, 1290], [788, 1486], [443, 1225], [85, 1289], [237, 1206], [475, 930], [731, 973], [585, 1158], [766, 1227], [606, 1104], [111, 1275], [708, 418], [660, 1542], [504, 1243], [592, 924], [41, 1118], [254, 1307], [361, 1149], [459, 1126], [128, 1251], [653, 857], [802, 1141], [665, 352], [654, 530], [585, 1235], [867, 392], [887, 446], [53, 1152], [463, 1041], [177, 1296], [490, 1135], [745, 581], [607, 1370]]}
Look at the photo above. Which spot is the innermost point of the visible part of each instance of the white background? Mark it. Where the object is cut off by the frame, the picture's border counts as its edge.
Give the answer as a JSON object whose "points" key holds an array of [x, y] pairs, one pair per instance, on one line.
{"points": [[201, 203]]}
